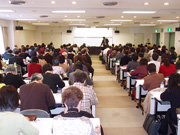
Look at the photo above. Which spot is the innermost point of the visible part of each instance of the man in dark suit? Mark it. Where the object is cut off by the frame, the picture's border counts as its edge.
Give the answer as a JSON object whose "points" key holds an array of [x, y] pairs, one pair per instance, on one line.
{"points": [[105, 43]]}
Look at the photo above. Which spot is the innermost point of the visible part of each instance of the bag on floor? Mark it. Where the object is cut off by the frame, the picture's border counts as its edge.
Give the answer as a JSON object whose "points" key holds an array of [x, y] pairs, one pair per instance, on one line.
{"points": [[152, 124]]}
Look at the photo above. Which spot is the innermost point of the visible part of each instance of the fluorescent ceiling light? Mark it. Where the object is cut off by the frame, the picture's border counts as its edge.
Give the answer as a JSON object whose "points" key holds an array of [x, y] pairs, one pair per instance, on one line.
{"points": [[111, 24], [40, 23], [139, 12], [147, 24], [26, 19], [146, 3], [80, 20], [74, 2], [53, 2], [77, 24], [6, 11], [168, 20], [69, 11], [121, 20]]}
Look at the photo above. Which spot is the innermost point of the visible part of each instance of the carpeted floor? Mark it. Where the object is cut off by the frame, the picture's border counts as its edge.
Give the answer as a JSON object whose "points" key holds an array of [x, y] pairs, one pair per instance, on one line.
{"points": [[117, 112]]}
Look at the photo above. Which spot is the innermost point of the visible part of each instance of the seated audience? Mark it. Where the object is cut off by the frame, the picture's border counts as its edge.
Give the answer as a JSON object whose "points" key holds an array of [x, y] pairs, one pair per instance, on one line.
{"points": [[48, 57], [119, 55], [166, 68], [36, 95], [153, 80], [34, 67], [178, 67], [78, 67], [133, 64], [67, 61], [155, 57], [172, 94], [72, 98], [62, 63], [7, 55], [11, 78], [13, 123], [89, 98], [141, 71], [52, 80], [125, 59], [140, 56], [23, 53], [57, 69], [42, 61], [32, 52]]}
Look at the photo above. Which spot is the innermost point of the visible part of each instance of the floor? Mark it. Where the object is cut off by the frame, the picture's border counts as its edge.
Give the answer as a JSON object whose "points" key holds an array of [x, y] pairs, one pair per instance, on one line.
{"points": [[117, 112]]}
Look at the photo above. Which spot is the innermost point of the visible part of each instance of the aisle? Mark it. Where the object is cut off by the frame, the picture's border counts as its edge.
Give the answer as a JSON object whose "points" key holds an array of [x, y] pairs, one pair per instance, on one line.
{"points": [[118, 113]]}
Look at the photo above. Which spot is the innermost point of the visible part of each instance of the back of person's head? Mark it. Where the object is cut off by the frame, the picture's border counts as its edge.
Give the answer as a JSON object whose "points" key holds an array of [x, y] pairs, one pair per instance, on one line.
{"points": [[47, 50], [47, 67], [34, 59], [143, 61], [132, 49], [16, 52], [83, 51], [77, 65], [36, 77], [10, 51], [55, 62], [72, 96], [151, 68], [79, 77], [155, 56], [134, 57], [9, 98], [166, 62], [78, 58], [126, 52], [141, 54], [174, 80], [10, 68], [61, 59], [178, 65], [41, 57]]}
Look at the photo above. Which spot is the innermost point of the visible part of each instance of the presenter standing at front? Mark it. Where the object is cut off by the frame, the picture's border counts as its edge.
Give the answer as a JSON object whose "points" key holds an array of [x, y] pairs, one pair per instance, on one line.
{"points": [[105, 43]]}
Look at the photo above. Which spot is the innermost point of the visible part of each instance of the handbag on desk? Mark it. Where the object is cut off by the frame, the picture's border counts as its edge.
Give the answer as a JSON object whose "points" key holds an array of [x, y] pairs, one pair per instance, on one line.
{"points": [[152, 124]]}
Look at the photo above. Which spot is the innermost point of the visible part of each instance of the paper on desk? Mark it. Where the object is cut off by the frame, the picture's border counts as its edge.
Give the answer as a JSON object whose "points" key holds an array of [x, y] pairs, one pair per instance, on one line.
{"points": [[58, 98], [95, 122]]}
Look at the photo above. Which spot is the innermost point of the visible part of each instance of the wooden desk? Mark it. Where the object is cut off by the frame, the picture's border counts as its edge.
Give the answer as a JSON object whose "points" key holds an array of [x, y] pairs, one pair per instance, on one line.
{"points": [[94, 50]]}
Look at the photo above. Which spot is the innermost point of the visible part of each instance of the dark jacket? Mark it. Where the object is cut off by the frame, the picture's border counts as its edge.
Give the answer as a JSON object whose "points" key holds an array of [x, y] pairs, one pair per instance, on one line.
{"points": [[18, 61], [53, 80]]}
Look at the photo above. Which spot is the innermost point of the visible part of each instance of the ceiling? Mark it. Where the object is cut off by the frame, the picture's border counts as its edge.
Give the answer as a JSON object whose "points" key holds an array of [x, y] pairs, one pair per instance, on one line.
{"points": [[33, 9]]}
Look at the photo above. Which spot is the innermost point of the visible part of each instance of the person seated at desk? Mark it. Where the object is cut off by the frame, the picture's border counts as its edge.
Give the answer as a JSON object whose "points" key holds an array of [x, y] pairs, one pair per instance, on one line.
{"points": [[133, 64], [153, 80], [71, 121], [178, 66], [36, 95], [52, 80], [119, 54], [172, 94], [166, 68], [57, 69], [34, 67], [11, 78], [141, 71], [125, 59], [62, 63], [13, 123], [7, 55], [155, 57], [78, 67], [42, 61], [89, 98]]}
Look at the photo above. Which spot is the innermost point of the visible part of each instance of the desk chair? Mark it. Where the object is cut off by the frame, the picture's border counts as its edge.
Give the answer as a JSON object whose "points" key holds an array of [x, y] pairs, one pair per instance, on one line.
{"points": [[38, 112]]}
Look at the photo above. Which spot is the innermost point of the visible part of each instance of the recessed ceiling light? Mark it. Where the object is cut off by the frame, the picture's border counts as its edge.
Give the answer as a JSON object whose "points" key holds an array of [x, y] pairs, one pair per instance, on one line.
{"points": [[79, 20], [147, 24], [26, 19], [40, 23], [6, 11], [65, 16], [77, 24], [111, 24], [166, 4], [122, 16], [139, 12], [146, 3], [74, 2], [135, 17], [69, 11], [78, 16], [177, 17], [168, 20], [53, 2], [122, 20]]}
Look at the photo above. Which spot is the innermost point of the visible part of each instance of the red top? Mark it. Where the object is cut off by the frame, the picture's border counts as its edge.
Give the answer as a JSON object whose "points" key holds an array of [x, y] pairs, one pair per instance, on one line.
{"points": [[34, 68], [167, 71], [140, 72], [61, 51]]}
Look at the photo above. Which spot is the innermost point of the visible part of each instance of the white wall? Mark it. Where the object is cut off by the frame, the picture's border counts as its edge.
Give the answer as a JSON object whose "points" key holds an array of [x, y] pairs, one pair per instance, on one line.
{"points": [[127, 34]]}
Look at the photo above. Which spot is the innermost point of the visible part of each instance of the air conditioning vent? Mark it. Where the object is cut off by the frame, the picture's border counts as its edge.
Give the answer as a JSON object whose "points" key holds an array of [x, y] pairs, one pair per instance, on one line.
{"points": [[156, 17], [43, 16], [17, 2], [112, 3], [54, 22], [136, 22], [100, 17], [96, 22]]}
